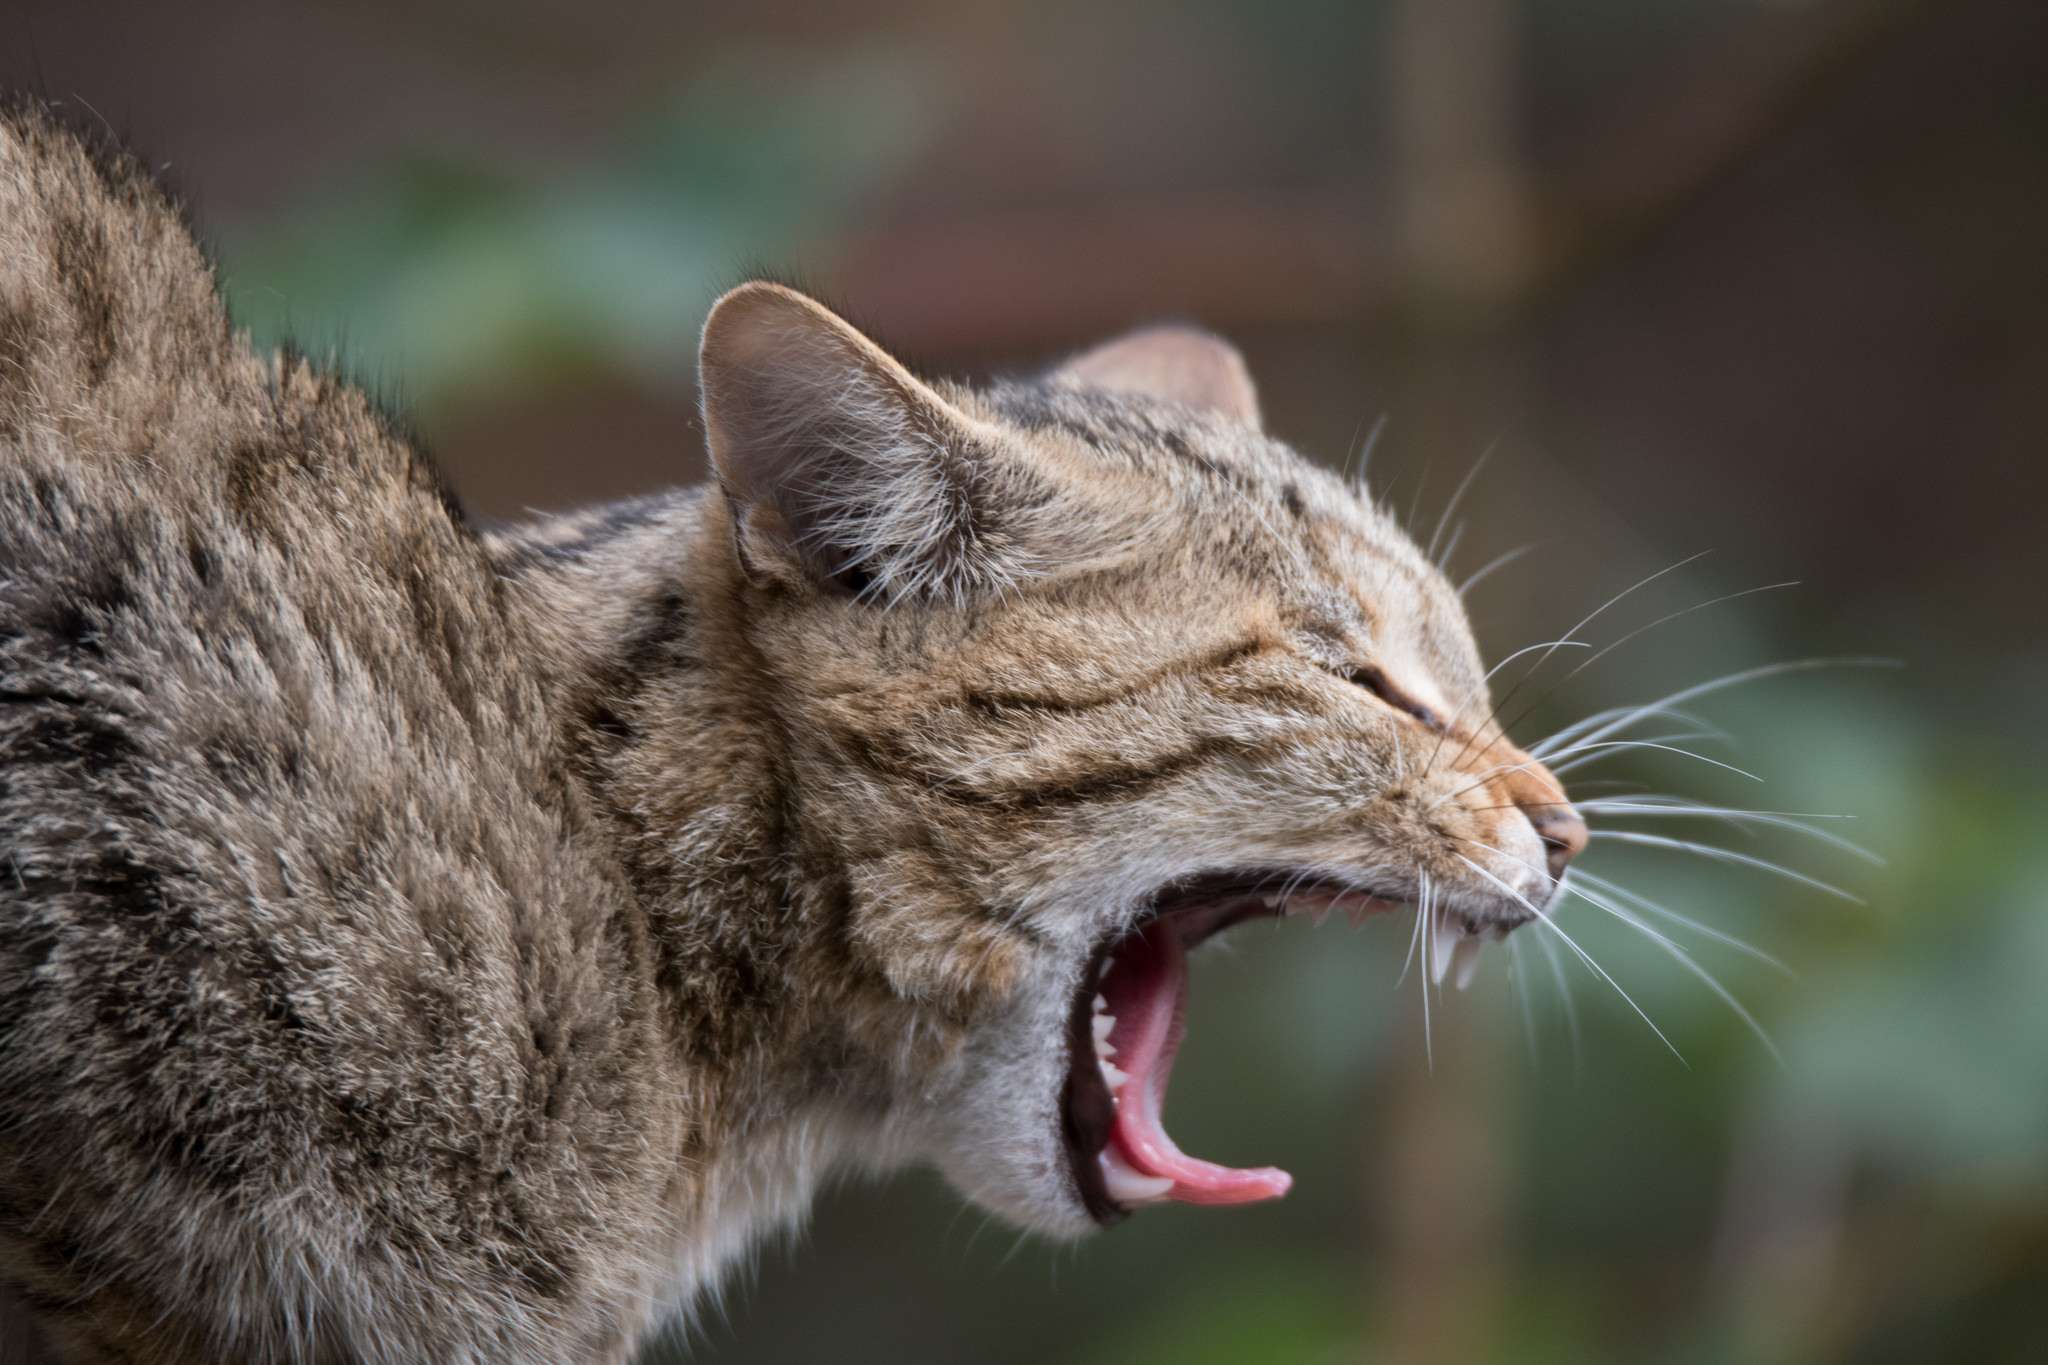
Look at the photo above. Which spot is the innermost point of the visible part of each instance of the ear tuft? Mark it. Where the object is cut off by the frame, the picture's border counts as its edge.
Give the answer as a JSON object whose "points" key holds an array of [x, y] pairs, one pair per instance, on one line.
{"points": [[840, 466], [1181, 364]]}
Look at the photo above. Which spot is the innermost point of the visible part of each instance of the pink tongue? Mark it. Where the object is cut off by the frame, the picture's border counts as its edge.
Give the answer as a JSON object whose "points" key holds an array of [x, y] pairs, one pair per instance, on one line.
{"points": [[1147, 991]]}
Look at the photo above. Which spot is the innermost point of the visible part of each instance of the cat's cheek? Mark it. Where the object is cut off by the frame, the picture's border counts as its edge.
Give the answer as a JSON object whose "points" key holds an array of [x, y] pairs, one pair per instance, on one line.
{"points": [[997, 1125]]}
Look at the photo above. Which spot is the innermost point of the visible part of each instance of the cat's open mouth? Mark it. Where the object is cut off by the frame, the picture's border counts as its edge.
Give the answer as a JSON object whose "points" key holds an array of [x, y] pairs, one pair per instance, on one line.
{"points": [[1126, 1027]]}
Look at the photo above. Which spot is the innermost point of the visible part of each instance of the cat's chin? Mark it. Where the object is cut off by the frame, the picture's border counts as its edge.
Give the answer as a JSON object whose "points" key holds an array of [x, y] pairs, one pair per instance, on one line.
{"points": [[1126, 1025]]}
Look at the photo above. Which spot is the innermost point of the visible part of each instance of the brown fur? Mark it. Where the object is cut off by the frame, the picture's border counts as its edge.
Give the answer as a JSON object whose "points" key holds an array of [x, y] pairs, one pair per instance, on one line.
{"points": [[425, 944]]}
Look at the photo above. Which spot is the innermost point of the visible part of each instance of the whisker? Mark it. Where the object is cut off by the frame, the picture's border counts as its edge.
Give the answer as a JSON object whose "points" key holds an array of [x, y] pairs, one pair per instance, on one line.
{"points": [[1558, 769], [1451, 545], [1457, 496], [1556, 739], [1495, 771], [1518, 986], [1552, 645], [1415, 503], [1351, 451], [1415, 931], [1630, 836], [1582, 954], [1643, 902], [1500, 561], [1571, 1008], [1613, 645], [1587, 620], [1675, 737], [1728, 680], [1684, 959], [1428, 970], [1287, 892], [1531, 649], [1777, 819], [1372, 440]]}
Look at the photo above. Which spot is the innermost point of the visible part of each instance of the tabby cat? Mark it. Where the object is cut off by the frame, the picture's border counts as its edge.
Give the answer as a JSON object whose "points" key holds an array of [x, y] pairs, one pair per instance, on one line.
{"points": [[421, 942]]}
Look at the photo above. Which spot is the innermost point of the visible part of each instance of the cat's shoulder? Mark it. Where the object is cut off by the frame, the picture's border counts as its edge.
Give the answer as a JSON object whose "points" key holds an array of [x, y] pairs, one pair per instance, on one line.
{"points": [[104, 290]]}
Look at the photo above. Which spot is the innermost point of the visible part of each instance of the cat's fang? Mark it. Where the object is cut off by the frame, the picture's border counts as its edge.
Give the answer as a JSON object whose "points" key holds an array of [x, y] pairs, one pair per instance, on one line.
{"points": [[1447, 937], [1465, 960]]}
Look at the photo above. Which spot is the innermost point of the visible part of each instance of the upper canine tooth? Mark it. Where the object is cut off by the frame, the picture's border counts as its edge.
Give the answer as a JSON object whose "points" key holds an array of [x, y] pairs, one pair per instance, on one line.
{"points": [[1446, 936], [1466, 958]]}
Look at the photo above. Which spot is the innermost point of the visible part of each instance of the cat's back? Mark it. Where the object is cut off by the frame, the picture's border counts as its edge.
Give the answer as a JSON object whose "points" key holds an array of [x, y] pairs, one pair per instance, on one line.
{"points": [[293, 911]]}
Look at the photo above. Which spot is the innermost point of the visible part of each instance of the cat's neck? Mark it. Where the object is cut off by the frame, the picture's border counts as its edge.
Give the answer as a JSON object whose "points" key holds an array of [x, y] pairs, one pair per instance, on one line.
{"points": [[669, 726], [662, 723]]}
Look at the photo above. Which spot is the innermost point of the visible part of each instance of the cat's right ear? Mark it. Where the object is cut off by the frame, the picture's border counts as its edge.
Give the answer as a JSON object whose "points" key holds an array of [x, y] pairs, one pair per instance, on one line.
{"points": [[843, 469]]}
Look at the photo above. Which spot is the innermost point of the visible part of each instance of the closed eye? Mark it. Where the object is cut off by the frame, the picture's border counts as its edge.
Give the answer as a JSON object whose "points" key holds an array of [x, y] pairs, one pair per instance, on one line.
{"points": [[1375, 682]]}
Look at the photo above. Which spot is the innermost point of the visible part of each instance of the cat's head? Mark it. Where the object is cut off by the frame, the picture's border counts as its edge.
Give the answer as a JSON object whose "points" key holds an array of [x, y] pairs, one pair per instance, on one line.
{"points": [[1073, 673]]}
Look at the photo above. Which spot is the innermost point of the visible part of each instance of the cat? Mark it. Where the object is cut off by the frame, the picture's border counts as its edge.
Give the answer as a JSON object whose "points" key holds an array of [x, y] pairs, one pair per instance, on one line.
{"points": [[428, 942]]}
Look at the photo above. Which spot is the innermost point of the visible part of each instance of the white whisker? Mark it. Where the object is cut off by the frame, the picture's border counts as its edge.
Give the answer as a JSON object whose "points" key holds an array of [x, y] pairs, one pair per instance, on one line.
{"points": [[1450, 546], [1428, 970], [1557, 769], [1594, 615], [1372, 440], [1571, 1007], [1559, 643], [1582, 954], [1728, 680], [1518, 986], [1630, 836], [1531, 649], [1457, 496], [1500, 561], [1552, 742], [1495, 771], [1617, 643], [1683, 959], [1414, 932], [1645, 807], [1642, 902]]}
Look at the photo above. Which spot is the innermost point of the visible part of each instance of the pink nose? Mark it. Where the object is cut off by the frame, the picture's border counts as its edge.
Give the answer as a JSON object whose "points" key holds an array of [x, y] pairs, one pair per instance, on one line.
{"points": [[1563, 834]]}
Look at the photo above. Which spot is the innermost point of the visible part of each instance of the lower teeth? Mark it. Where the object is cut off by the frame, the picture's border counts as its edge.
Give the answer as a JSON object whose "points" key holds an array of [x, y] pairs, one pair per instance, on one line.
{"points": [[1126, 1184]]}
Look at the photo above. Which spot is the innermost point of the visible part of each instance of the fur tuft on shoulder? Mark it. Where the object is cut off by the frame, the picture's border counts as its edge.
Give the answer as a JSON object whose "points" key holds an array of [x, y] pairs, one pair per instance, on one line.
{"points": [[107, 305]]}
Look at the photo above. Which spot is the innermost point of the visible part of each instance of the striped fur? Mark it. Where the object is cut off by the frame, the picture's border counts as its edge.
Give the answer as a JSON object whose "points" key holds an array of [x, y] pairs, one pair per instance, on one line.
{"points": [[423, 943]]}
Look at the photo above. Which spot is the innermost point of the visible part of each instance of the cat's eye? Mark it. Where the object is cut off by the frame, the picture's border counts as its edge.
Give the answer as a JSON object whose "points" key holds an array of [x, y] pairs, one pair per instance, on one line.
{"points": [[1375, 682]]}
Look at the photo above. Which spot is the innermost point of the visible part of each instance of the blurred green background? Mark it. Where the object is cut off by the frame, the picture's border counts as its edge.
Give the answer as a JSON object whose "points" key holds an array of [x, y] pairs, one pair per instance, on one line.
{"points": [[1760, 277]]}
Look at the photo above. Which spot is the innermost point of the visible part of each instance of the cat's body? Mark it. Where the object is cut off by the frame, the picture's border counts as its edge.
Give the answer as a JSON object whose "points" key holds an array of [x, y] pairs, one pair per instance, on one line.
{"points": [[420, 944]]}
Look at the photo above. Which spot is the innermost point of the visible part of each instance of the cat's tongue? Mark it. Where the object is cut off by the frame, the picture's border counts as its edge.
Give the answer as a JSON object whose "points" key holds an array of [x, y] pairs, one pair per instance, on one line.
{"points": [[1146, 990]]}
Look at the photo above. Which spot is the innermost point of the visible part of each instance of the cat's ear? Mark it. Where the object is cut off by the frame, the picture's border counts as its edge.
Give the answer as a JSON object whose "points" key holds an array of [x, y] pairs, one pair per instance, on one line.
{"points": [[843, 468], [1183, 364]]}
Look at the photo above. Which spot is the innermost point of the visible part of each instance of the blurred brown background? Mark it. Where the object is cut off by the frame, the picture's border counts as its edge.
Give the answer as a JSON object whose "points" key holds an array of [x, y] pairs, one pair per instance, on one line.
{"points": [[1761, 277]]}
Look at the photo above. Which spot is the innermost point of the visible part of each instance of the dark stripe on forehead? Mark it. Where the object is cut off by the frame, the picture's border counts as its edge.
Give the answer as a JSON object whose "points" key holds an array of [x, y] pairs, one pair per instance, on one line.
{"points": [[1125, 424], [1219, 658]]}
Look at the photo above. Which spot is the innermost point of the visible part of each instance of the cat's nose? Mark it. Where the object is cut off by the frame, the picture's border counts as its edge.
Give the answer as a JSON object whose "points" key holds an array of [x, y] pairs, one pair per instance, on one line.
{"points": [[1563, 834]]}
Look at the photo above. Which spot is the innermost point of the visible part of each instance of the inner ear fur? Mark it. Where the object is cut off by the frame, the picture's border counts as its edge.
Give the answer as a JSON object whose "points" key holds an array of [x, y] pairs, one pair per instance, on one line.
{"points": [[844, 469]]}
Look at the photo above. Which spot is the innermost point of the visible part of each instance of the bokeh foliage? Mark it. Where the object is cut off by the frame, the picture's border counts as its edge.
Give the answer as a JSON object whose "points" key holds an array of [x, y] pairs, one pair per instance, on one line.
{"points": [[1881, 1195]]}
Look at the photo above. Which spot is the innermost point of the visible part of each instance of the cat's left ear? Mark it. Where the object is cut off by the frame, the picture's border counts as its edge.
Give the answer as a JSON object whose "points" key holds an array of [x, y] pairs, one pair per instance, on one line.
{"points": [[1182, 364], [845, 471]]}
